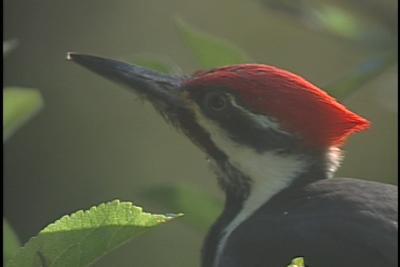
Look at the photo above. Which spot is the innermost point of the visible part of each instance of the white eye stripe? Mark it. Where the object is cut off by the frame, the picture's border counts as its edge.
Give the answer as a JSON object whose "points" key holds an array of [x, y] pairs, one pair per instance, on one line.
{"points": [[263, 120]]}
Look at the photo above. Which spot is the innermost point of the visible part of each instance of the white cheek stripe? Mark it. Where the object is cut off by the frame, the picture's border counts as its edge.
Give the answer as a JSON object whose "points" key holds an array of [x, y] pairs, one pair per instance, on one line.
{"points": [[269, 173], [264, 121]]}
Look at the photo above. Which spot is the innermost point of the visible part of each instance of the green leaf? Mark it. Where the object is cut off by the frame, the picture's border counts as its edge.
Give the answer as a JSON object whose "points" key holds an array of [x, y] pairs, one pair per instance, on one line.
{"points": [[19, 104], [210, 51], [355, 79], [10, 242], [9, 45], [297, 262], [83, 237], [200, 208]]}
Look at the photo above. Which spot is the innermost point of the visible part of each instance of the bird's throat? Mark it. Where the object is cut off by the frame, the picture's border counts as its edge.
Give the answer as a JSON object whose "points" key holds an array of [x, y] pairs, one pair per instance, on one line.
{"points": [[250, 180]]}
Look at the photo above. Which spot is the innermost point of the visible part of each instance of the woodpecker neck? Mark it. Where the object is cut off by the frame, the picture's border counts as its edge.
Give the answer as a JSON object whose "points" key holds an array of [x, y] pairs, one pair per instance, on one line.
{"points": [[251, 179]]}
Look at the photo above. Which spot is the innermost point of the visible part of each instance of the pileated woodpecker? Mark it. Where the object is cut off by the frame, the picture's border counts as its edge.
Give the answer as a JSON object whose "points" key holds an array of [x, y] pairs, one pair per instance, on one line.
{"points": [[274, 140]]}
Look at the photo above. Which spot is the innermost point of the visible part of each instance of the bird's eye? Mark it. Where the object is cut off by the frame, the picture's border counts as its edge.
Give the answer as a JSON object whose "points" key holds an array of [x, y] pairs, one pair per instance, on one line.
{"points": [[216, 101]]}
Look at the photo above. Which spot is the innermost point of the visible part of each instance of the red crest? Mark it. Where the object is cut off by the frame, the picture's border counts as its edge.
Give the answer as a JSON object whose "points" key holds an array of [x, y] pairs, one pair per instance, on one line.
{"points": [[297, 104]]}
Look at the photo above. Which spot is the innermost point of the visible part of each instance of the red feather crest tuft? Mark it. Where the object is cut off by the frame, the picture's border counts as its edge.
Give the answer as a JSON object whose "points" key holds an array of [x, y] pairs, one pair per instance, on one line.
{"points": [[297, 104]]}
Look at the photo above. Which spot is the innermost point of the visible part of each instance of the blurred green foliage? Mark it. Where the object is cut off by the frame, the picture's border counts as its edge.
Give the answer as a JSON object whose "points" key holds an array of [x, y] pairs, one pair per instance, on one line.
{"points": [[337, 21], [210, 51], [333, 19], [9, 46], [19, 105], [10, 242]]}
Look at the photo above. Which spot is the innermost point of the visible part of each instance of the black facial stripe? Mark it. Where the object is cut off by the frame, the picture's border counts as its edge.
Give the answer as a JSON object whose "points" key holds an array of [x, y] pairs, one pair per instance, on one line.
{"points": [[243, 128], [184, 120], [234, 182]]}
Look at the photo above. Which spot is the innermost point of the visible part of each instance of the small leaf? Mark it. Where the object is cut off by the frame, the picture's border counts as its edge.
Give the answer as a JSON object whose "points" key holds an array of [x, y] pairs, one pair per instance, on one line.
{"points": [[9, 45], [10, 242], [297, 262], [210, 51], [358, 77], [200, 208], [83, 237], [19, 104]]}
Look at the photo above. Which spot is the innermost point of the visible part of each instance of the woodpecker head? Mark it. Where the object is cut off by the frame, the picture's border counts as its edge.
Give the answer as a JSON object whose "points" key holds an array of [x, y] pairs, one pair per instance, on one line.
{"points": [[256, 122]]}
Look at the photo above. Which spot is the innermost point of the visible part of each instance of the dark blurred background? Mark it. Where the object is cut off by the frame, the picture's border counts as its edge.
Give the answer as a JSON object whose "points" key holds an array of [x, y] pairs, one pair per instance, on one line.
{"points": [[94, 141]]}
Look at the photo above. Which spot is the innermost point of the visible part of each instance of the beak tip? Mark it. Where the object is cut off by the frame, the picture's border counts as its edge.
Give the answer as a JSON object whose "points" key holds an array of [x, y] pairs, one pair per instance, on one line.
{"points": [[145, 81], [71, 56], [88, 61]]}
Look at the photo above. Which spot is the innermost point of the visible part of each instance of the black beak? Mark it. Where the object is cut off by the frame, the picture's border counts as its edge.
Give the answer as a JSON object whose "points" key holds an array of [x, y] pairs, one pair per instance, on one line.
{"points": [[162, 90]]}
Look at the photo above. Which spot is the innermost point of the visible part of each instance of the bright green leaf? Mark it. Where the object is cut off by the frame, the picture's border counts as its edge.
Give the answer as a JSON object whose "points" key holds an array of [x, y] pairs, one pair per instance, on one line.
{"points": [[200, 208], [19, 104], [297, 262], [9, 45], [83, 237], [210, 51], [10, 242]]}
